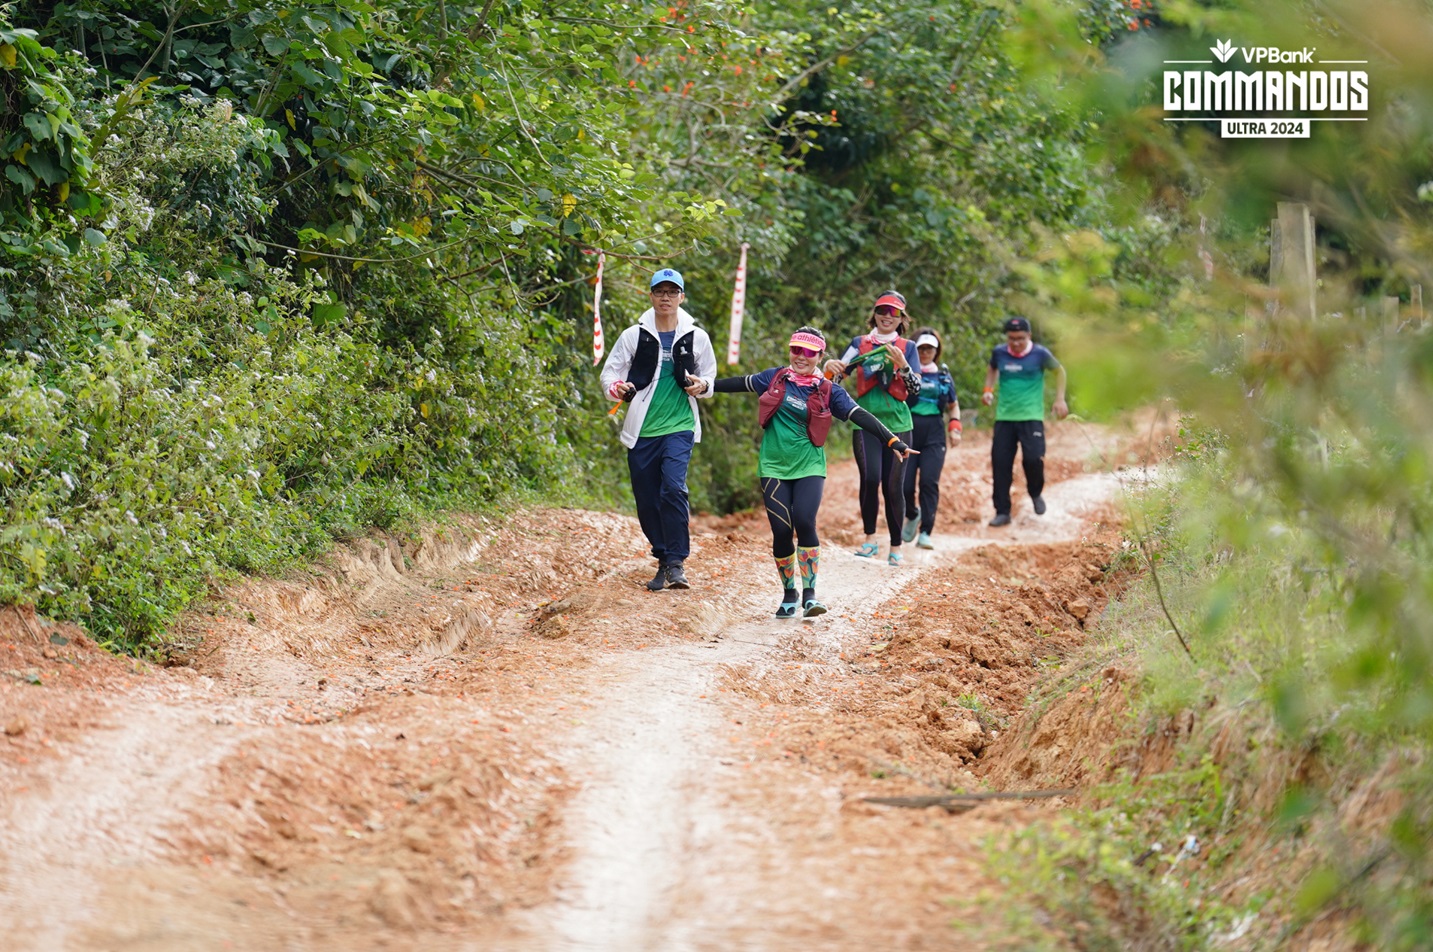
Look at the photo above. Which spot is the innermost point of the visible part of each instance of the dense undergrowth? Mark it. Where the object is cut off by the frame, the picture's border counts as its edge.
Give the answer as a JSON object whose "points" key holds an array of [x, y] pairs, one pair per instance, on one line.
{"points": [[1270, 787], [1272, 784]]}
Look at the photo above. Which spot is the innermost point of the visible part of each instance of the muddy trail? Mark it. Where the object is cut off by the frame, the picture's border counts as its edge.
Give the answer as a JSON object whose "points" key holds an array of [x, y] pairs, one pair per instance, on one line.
{"points": [[493, 737]]}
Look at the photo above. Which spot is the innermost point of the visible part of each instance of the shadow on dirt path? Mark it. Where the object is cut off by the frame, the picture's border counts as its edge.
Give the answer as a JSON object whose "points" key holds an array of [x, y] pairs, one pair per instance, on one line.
{"points": [[495, 738]]}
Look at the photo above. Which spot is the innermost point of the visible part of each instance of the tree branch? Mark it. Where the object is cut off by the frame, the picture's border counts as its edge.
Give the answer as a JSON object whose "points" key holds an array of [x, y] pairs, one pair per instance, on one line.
{"points": [[815, 68]]}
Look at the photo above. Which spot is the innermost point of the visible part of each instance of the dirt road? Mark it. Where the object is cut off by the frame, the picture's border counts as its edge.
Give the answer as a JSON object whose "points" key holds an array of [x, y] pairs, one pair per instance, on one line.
{"points": [[493, 737]]}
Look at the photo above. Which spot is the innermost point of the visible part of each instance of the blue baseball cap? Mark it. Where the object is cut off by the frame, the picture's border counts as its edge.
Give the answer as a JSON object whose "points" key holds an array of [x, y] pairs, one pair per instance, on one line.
{"points": [[668, 274]]}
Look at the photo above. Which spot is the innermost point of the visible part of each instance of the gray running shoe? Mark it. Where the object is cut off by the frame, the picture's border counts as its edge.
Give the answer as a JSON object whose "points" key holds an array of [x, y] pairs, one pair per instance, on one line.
{"points": [[676, 578], [1039, 505], [659, 581], [1001, 519]]}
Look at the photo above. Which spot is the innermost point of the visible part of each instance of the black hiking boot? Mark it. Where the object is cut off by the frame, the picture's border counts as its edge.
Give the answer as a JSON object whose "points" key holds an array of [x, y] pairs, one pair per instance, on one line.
{"points": [[676, 578]]}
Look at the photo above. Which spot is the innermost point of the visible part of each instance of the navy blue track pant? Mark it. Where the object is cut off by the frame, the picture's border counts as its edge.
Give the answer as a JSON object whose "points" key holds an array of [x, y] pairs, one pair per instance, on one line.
{"points": [[658, 466]]}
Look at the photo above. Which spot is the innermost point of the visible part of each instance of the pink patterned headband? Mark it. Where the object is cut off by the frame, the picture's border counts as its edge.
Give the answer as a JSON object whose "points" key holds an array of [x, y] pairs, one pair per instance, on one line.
{"points": [[804, 339]]}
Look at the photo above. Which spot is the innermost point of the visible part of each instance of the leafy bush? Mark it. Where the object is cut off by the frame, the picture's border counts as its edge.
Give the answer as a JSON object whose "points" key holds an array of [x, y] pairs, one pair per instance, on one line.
{"points": [[1285, 617], [45, 152]]}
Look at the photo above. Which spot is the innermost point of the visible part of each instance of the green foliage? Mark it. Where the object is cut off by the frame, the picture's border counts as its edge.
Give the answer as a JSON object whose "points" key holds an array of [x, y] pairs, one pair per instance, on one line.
{"points": [[135, 472], [1135, 873], [45, 153], [1292, 549], [928, 167]]}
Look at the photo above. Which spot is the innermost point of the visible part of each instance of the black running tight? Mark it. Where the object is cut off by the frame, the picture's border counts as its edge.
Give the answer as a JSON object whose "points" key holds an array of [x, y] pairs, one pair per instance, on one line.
{"points": [[791, 506], [882, 471]]}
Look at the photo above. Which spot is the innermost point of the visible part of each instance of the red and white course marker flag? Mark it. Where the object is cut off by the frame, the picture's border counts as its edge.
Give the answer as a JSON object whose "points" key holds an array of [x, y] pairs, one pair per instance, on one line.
{"points": [[599, 346], [738, 308]]}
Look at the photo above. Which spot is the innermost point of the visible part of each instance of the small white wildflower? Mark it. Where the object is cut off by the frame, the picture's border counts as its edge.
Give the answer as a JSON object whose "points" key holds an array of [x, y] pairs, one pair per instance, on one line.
{"points": [[133, 519], [68, 480], [209, 444], [431, 376], [190, 278]]}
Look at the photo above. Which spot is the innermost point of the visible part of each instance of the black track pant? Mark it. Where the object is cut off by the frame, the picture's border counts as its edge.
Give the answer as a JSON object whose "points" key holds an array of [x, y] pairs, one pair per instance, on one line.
{"points": [[1029, 436], [791, 506], [928, 436], [882, 471]]}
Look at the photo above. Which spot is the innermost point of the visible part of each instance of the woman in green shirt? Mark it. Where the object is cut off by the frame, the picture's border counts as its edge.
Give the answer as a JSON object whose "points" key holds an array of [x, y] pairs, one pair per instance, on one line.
{"points": [[796, 407], [881, 364]]}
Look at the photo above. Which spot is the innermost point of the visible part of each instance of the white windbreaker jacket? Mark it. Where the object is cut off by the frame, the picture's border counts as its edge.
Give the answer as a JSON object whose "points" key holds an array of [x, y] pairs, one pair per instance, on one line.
{"points": [[619, 362]]}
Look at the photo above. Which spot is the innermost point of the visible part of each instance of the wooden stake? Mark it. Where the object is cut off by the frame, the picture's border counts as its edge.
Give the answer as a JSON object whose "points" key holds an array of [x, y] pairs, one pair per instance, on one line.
{"points": [[1291, 259]]}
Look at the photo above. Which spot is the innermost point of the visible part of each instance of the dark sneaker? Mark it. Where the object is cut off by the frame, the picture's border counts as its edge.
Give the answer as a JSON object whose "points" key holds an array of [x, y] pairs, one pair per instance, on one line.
{"points": [[676, 578], [787, 610], [1001, 519], [659, 581], [1039, 505]]}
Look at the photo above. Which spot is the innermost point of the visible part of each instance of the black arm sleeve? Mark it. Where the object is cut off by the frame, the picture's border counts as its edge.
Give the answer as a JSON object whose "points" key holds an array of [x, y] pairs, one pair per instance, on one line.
{"points": [[863, 418], [734, 385]]}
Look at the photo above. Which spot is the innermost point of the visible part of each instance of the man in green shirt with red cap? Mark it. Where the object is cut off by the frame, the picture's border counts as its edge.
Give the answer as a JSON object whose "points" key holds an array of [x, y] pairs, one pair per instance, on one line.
{"points": [[1019, 366]]}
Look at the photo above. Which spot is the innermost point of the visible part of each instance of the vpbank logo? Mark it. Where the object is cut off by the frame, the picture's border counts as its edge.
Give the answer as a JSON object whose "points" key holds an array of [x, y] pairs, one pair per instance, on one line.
{"points": [[1258, 98]]}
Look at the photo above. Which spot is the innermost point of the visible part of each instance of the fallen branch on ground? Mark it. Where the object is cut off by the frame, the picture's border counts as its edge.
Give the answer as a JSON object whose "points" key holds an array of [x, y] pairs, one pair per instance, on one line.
{"points": [[960, 802]]}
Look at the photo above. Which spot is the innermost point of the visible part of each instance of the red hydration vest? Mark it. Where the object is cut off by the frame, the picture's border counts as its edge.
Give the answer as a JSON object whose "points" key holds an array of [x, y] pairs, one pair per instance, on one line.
{"points": [[818, 406], [865, 382]]}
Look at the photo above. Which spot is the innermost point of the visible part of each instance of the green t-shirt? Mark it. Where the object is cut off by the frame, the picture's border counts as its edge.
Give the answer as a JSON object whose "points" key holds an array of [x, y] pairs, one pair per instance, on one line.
{"points": [[877, 401], [895, 414], [671, 409], [786, 450], [933, 389], [1022, 382]]}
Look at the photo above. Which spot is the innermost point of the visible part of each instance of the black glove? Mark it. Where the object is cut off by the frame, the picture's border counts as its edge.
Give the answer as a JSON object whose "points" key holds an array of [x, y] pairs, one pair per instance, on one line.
{"points": [[899, 447]]}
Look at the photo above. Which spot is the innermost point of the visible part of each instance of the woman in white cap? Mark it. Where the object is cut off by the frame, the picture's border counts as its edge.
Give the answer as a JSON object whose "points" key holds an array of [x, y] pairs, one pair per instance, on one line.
{"points": [[885, 384], [796, 407], [935, 422]]}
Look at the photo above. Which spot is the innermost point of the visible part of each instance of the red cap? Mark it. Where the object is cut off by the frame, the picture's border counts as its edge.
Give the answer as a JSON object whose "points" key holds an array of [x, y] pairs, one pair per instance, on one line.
{"points": [[890, 299]]}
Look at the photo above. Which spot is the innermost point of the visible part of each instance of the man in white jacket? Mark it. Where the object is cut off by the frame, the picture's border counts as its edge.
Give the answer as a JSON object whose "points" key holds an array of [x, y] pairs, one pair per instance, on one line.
{"points": [[660, 365]]}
